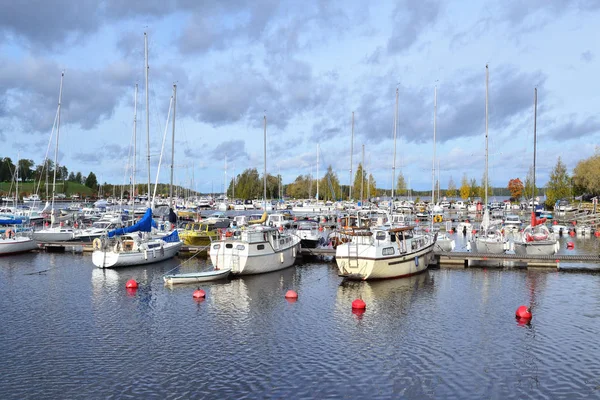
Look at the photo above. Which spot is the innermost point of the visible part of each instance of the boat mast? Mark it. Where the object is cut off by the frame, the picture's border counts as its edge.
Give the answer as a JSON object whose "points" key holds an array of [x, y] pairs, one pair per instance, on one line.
{"points": [[317, 172], [362, 177], [62, 75], [394, 159], [351, 151], [173, 146], [486, 137], [17, 180], [134, 148], [147, 113], [433, 161], [265, 171], [534, 143]]}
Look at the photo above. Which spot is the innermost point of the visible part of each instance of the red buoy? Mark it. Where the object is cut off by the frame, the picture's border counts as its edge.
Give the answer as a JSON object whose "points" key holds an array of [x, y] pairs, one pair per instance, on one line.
{"points": [[474, 231], [451, 231], [570, 245], [597, 233], [290, 294], [571, 233], [523, 312], [199, 294], [359, 304], [131, 284], [555, 222]]}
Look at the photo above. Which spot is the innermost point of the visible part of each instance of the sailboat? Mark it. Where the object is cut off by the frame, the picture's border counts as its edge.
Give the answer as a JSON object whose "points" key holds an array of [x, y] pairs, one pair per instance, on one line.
{"points": [[258, 248], [387, 251], [489, 239], [443, 241], [536, 238], [135, 245], [55, 233]]}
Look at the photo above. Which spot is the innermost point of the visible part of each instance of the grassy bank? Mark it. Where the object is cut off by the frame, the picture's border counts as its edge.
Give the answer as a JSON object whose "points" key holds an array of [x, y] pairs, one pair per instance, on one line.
{"points": [[27, 188]]}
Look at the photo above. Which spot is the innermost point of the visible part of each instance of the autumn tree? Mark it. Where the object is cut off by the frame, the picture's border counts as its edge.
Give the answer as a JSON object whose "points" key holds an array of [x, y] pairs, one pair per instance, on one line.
{"points": [[451, 191], [529, 185], [515, 187], [482, 187], [586, 175], [371, 187], [401, 185], [474, 188], [559, 184], [465, 189]]}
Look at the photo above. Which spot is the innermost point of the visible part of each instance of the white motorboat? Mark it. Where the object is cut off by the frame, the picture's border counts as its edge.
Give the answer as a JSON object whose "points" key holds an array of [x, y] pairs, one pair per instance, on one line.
{"points": [[34, 198], [255, 250], [310, 233], [444, 243], [512, 223], [97, 230], [384, 253], [196, 277]]}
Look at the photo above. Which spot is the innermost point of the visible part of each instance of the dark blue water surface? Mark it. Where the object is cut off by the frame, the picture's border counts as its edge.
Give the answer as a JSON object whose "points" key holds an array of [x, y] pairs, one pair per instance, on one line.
{"points": [[74, 331]]}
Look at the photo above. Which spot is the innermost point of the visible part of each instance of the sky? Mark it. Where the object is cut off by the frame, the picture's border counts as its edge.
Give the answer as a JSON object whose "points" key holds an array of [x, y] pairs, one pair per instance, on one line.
{"points": [[306, 66]]}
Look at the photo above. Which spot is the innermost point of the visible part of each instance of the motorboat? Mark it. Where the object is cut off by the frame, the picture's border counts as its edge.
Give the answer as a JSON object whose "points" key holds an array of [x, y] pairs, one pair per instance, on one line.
{"points": [[196, 277], [255, 250], [512, 223], [310, 233], [385, 253], [204, 232]]}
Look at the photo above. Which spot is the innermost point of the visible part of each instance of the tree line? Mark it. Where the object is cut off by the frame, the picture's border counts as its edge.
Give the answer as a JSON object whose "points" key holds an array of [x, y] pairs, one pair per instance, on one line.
{"points": [[27, 171]]}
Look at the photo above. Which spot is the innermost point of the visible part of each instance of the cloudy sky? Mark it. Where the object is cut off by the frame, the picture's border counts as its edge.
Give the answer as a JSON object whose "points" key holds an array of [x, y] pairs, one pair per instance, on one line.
{"points": [[306, 65]]}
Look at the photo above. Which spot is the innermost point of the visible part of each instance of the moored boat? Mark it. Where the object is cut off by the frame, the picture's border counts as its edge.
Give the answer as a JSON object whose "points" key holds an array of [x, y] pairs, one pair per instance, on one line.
{"points": [[196, 277], [385, 253]]}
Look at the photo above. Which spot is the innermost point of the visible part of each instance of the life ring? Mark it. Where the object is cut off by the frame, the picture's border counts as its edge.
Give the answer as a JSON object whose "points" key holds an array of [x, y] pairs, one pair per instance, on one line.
{"points": [[97, 244], [438, 218]]}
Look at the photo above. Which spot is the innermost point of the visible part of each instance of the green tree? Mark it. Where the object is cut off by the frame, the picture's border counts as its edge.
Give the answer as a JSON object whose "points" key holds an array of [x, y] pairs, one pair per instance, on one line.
{"points": [[371, 187], [559, 184], [474, 188], [7, 169], [529, 184], [451, 191], [482, 188], [248, 185], [401, 185], [26, 171], [465, 189], [359, 179], [91, 181], [586, 175], [79, 178], [330, 182], [299, 188]]}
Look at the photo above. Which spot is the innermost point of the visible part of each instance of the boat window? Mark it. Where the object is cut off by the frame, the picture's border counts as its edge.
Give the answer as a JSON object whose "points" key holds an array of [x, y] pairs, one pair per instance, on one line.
{"points": [[217, 246], [228, 246], [388, 251], [260, 247], [240, 247], [380, 236], [281, 241], [392, 237]]}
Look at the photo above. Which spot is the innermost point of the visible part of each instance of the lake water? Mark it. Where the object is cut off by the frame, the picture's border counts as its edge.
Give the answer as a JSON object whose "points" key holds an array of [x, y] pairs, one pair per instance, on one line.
{"points": [[74, 331]]}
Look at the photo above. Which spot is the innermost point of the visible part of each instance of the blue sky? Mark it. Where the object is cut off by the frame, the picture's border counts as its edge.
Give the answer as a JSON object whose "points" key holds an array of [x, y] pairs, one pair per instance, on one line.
{"points": [[307, 65]]}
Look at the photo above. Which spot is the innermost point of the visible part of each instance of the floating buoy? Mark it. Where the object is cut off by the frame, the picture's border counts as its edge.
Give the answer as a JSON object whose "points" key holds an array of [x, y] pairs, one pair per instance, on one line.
{"points": [[597, 233], [574, 223], [131, 284], [199, 294], [359, 304], [291, 294], [571, 233], [555, 222], [523, 312], [417, 221], [570, 246], [474, 231], [451, 231]]}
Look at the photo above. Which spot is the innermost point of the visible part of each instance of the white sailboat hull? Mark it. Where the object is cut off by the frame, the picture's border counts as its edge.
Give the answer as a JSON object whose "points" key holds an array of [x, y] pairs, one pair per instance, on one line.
{"points": [[538, 248], [17, 244], [52, 235], [488, 245], [112, 259]]}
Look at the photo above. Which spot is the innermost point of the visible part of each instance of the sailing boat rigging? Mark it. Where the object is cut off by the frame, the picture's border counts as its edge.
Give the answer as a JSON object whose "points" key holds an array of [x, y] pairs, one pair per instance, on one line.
{"points": [[536, 238], [489, 239]]}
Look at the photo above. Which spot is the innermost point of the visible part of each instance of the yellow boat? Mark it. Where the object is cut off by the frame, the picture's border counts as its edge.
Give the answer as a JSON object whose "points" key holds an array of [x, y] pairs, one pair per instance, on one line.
{"points": [[202, 233]]}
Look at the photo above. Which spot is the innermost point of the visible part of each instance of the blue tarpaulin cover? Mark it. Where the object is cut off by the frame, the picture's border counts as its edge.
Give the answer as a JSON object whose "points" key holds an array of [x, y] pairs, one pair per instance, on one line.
{"points": [[173, 237], [143, 225], [11, 221]]}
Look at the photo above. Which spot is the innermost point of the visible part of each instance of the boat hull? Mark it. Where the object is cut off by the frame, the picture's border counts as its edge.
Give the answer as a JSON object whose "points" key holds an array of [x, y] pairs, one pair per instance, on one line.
{"points": [[195, 277], [245, 263], [46, 236], [539, 248], [112, 259], [364, 268], [16, 245], [480, 245]]}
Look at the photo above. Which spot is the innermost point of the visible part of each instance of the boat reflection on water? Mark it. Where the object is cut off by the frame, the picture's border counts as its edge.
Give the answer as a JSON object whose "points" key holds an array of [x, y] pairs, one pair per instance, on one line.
{"points": [[387, 296], [251, 291]]}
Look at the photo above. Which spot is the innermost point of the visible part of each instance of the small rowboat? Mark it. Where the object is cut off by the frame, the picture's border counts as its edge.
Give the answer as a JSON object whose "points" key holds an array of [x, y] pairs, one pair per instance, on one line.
{"points": [[194, 277]]}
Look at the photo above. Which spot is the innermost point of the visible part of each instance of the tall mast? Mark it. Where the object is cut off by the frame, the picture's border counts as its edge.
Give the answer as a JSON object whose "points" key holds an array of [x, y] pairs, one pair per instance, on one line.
{"points": [[534, 142], [394, 159], [351, 151], [317, 172], [173, 146], [62, 76], [147, 113], [17, 180], [362, 176], [434, 132], [486, 135], [265, 171], [134, 146]]}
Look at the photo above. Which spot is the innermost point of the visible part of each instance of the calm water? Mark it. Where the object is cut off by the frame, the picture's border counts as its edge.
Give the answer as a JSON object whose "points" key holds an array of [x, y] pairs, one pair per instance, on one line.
{"points": [[74, 331]]}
